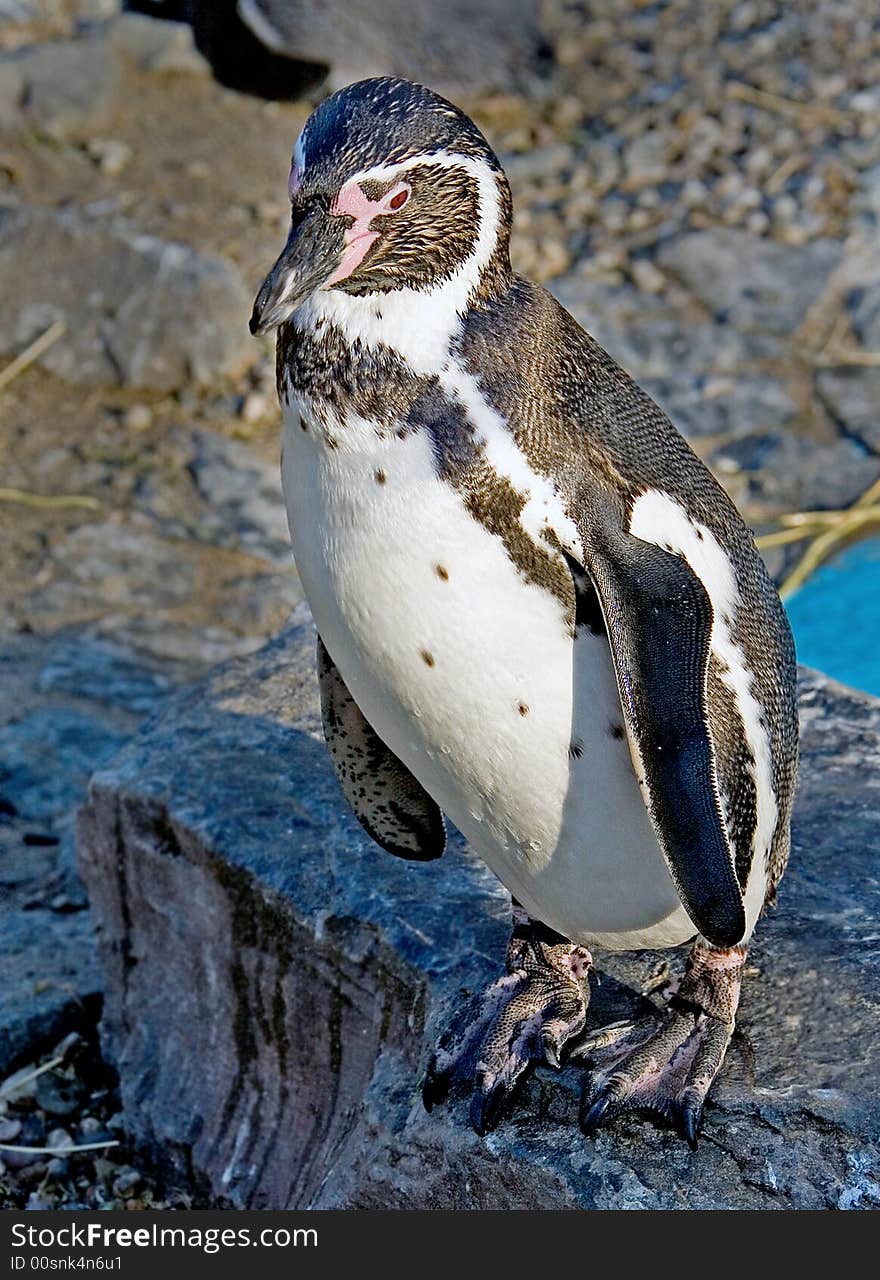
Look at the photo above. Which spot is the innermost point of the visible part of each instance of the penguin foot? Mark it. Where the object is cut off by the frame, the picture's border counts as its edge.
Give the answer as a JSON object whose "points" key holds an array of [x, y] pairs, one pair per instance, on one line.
{"points": [[527, 1016], [665, 1063]]}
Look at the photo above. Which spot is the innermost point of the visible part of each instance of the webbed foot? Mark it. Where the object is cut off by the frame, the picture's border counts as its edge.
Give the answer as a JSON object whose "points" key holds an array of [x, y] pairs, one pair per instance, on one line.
{"points": [[666, 1062], [527, 1016]]}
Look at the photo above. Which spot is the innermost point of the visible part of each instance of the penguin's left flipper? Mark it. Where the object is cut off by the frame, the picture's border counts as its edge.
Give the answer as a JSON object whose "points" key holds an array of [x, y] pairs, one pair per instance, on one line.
{"points": [[658, 617], [665, 1063], [390, 804]]}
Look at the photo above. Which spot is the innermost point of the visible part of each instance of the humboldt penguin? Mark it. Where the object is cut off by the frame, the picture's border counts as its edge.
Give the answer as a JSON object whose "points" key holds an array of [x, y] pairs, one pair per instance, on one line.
{"points": [[539, 615]]}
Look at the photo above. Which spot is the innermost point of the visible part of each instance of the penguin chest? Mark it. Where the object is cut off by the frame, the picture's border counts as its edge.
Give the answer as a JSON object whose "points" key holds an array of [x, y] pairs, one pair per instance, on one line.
{"points": [[471, 675]]}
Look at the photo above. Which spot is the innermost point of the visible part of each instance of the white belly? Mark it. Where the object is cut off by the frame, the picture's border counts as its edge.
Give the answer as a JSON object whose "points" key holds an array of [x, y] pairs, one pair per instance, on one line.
{"points": [[470, 675]]}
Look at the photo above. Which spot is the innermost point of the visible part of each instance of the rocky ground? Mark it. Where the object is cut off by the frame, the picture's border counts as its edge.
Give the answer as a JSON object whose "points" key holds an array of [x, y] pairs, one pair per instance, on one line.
{"points": [[699, 183]]}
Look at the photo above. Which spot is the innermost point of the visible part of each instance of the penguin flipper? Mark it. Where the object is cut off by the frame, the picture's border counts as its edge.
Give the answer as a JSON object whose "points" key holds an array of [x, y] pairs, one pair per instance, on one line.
{"points": [[390, 804], [659, 620]]}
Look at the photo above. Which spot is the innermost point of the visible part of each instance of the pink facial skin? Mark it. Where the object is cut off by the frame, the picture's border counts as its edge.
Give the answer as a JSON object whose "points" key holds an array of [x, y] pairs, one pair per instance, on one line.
{"points": [[352, 202]]}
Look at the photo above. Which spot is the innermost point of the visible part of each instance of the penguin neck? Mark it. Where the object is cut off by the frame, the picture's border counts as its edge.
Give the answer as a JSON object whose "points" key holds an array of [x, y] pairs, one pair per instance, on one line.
{"points": [[344, 361], [420, 326]]}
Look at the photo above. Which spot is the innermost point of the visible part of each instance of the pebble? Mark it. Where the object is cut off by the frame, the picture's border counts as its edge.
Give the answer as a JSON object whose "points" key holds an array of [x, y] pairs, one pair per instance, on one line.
{"points": [[127, 1182], [537, 164], [648, 277], [693, 193], [110, 154], [139, 417], [645, 161], [553, 259], [9, 1129], [255, 407]]}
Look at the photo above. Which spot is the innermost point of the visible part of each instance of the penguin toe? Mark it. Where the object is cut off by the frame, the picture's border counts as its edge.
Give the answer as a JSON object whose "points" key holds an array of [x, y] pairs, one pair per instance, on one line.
{"points": [[663, 1064], [524, 1018]]}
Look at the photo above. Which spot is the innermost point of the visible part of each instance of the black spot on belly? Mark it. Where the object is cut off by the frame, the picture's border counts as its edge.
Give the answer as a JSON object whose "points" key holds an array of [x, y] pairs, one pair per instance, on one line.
{"points": [[617, 731], [441, 572], [427, 658], [576, 749], [380, 476], [523, 708]]}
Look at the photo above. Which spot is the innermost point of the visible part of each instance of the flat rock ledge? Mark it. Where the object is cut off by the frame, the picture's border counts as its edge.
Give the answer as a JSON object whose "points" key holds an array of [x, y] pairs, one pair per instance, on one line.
{"points": [[274, 982]]}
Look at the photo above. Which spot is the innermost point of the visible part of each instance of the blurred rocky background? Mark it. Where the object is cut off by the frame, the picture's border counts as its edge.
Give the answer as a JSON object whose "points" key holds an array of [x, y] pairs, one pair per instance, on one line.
{"points": [[699, 183]]}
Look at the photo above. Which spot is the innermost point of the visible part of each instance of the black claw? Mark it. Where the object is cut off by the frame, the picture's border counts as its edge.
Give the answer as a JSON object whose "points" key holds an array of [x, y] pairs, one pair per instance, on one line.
{"points": [[591, 1120], [485, 1110], [435, 1088], [690, 1118]]}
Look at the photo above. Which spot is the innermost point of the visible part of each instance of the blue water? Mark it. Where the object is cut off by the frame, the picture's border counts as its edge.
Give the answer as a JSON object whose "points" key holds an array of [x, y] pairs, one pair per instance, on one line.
{"points": [[836, 617]]}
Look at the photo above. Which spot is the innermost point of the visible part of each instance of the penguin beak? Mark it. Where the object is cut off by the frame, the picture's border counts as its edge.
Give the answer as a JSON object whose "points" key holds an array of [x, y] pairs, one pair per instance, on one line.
{"points": [[313, 252]]}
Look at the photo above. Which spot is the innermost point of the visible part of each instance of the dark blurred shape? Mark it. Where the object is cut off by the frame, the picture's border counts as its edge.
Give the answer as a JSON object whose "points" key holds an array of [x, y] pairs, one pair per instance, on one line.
{"points": [[457, 47], [240, 61]]}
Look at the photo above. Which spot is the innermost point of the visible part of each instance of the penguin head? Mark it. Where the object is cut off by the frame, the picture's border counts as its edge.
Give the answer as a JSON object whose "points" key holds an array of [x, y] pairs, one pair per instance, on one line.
{"points": [[392, 188]]}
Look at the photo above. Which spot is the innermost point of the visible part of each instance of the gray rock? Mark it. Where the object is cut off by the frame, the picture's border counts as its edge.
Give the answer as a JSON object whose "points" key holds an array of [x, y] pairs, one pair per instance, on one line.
{"points": [[853, 396], [650, 335], [699, 372], [852, 392], [102, 672], [139, 311], [126, 567], [49, 979], [274, 982], [732, 407], [537, 164], [785, 472], [51, 983], [46, 758], [12, 89], [867, 199], [156, 45], [864, 305], [66, 86], [67, 702], [457, 46], [182, 603], [646, 159], [245, 505], [754, 283]]}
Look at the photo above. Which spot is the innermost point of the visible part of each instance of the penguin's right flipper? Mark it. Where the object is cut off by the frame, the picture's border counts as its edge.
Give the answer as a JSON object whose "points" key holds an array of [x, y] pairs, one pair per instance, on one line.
{"points": [[659, 622], [390, 804]]}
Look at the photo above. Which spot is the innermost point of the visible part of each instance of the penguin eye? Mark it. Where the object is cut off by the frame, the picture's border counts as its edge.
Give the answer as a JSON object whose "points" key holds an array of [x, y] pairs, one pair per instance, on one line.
{"points": [[398, 201]]}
